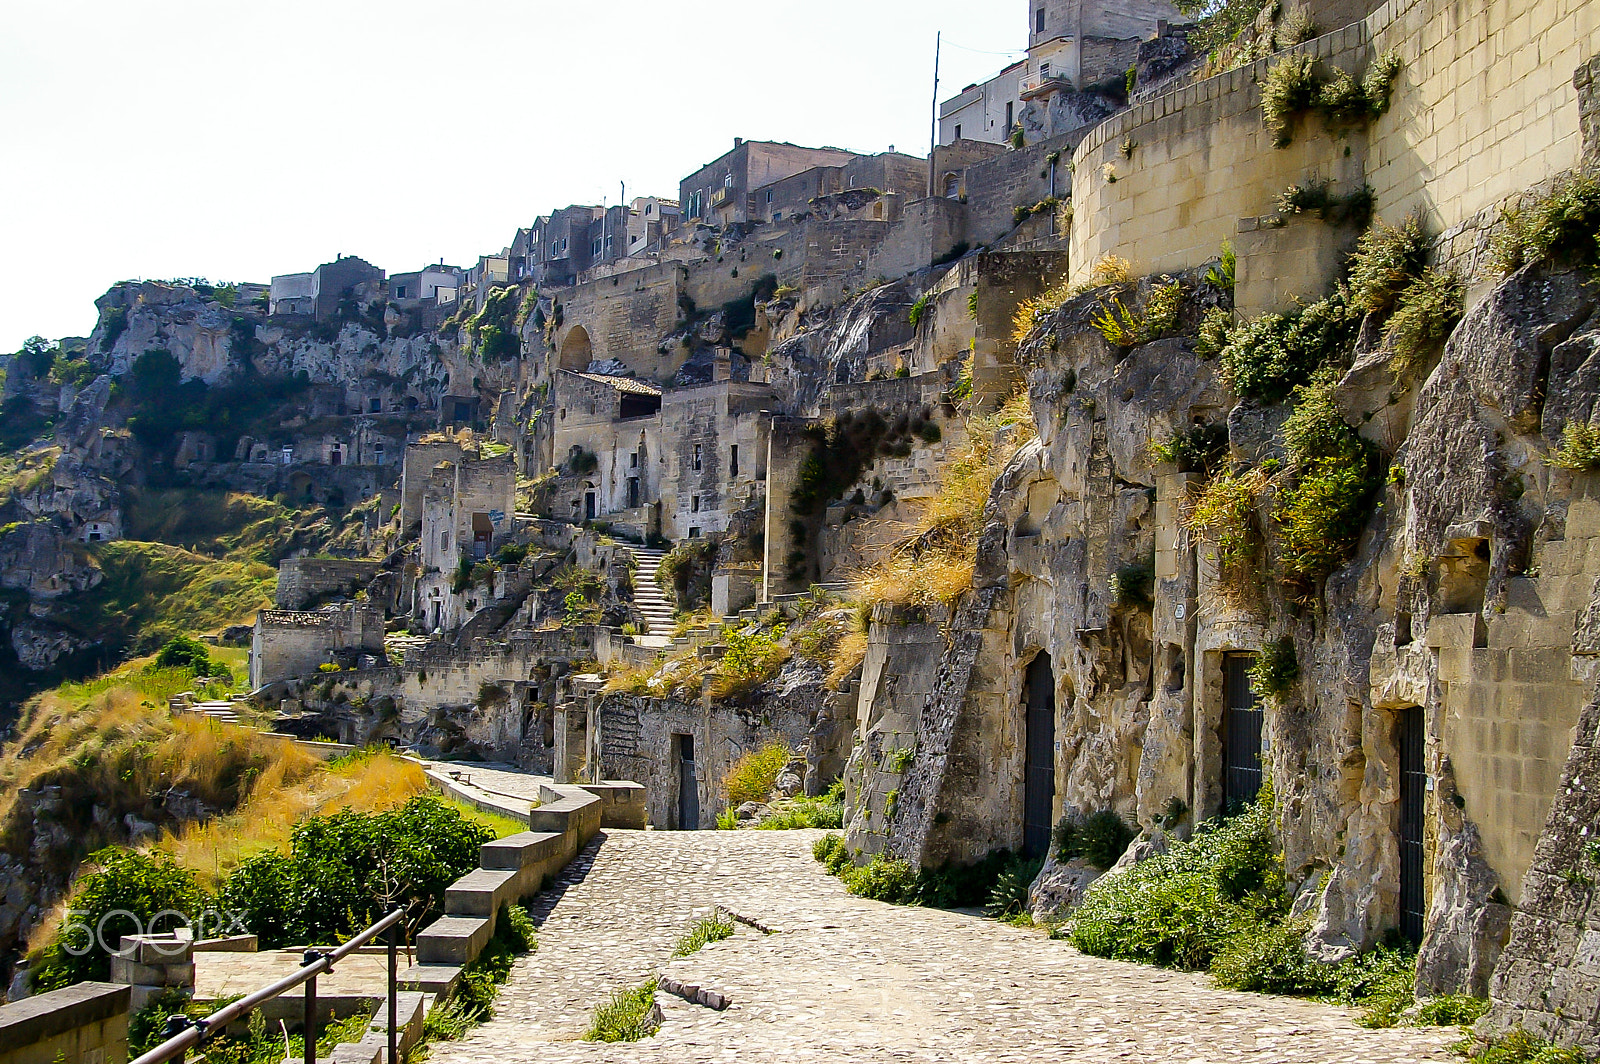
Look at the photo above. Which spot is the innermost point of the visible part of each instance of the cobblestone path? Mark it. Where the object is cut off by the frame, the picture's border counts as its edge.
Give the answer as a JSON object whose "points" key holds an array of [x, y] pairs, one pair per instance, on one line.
{"points": [[843, 979]]}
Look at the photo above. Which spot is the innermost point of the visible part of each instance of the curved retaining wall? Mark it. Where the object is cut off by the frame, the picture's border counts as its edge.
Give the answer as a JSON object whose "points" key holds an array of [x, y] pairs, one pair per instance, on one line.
{"points": [[1484, 107]]}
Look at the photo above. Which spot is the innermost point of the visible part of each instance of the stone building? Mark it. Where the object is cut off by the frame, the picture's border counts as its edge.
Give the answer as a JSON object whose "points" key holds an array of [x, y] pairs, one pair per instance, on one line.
{"points": [[677, 462], [718, 193], [287, 644], [320, 292], [468, 512]]}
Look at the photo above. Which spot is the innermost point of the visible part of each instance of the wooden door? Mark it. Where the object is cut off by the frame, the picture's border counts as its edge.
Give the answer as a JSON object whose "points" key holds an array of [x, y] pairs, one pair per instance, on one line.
{"points": [[1039, 780], [1241, 734], [1413, 788]]}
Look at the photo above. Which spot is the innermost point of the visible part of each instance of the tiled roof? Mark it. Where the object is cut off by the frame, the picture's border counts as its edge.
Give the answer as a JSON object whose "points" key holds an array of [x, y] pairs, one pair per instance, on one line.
{"points": [[623, 384]]}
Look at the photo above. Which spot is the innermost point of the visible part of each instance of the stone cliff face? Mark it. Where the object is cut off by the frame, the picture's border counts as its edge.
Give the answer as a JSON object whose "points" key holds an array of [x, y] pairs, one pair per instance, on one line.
{"points": [[1458, 602]]}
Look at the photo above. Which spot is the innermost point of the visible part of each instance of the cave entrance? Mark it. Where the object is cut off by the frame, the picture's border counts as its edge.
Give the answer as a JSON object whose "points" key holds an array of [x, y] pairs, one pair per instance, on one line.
{"points": [[1410, 743], [1039, 772], [1242, 722], [688, 783]]}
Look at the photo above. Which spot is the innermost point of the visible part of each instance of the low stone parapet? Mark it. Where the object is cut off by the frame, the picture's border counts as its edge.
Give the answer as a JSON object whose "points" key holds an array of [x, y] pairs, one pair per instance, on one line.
{"points": [[85, 1023], [623, 803]]}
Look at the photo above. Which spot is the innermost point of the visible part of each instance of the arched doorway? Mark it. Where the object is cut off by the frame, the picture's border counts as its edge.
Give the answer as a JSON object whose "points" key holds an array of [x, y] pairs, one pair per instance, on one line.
{"points": [[1039, 769], [577, 350]]}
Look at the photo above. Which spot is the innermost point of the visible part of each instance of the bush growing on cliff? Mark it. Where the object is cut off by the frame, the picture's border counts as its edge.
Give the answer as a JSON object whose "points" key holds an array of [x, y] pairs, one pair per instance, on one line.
{"points": [[123, 893], [1564, 225], [1100, 838], [1427, 312], [1579, 449], [1223, 513], [1386, 260], [1199, 449], [1323, 510], [1266, 358], [1275, 670]]}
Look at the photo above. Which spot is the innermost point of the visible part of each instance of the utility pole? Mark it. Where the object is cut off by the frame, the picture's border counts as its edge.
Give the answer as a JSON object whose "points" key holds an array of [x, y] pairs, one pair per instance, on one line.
{"points": [[933, 138]]}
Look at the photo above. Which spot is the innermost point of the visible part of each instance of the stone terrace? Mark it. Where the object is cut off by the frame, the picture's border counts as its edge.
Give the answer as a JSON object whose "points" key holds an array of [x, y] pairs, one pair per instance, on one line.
{"points": [[841, 978]]}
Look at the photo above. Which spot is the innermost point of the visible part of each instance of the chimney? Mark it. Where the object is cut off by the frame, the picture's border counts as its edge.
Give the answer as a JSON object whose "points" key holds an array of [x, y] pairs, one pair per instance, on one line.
{"points": [[722, 365], [738, 142]]}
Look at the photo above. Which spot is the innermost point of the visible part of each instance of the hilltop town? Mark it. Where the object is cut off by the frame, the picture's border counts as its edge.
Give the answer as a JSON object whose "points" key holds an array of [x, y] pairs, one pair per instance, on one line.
{"points": [[1210, 423]]}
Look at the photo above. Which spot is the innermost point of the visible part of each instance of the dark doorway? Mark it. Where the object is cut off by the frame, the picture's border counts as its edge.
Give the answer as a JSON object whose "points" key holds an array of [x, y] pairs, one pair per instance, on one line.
{"points": [[1242, 721], [589, 506], [1039, 781], [688, 785], [482, 536], [1413, 785], [633, 493]]}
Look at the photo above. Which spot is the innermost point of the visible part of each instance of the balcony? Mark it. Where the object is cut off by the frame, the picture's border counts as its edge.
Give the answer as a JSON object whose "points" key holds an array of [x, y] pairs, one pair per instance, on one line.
{"points": [[721, 197], [1033, 86]]}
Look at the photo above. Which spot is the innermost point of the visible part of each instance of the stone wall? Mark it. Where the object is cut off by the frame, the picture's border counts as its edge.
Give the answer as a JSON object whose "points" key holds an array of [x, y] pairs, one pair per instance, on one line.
{"points": [[640, 740], [1485, 107], [301, 581], [286, 645], [1548, 978], [86, 1024]]}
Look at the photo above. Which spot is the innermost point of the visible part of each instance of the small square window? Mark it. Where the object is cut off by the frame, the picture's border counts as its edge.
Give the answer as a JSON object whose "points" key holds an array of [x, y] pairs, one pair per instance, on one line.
{"points": [[694, 533]]}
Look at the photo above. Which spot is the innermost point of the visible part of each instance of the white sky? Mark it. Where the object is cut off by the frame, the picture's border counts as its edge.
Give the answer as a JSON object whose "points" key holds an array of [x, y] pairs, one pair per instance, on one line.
{"points": [[166, 138]]}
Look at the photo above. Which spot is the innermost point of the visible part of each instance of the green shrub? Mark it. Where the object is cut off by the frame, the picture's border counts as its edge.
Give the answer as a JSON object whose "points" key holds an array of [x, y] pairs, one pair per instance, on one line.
{"points": [[753, 776], [121, 893], [1266, 358], [1178, 909], [1580, 448], [1314, 197], [752, 657], [1386, 260], [629, 1016], [1290, 87], [1563, 225], [1222, 275], [1009, 896], [1323, 510], [1275, 670], [147, 1027], [882, 879], [1223, 513], [825, 811], [919, 308], [1428, 310], [713, 928], [1520, 1047], [345, 870], [1123, 327], [1100, 838], [1452, 1010], [1272, 960], [183, 652], [830, 851], [1200, 449]]}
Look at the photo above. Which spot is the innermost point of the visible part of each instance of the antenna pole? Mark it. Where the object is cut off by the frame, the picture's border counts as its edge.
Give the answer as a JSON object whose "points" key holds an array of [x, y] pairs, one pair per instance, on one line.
{"points": [[933, 138]]}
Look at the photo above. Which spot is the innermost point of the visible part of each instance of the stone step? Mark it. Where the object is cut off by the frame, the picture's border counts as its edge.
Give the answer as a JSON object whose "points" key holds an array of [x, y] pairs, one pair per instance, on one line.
{"points": [[453, 940]]}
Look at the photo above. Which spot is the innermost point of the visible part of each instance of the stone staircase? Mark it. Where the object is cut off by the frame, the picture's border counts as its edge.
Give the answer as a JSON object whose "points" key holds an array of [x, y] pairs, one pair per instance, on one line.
{"points": [[648, 598]]}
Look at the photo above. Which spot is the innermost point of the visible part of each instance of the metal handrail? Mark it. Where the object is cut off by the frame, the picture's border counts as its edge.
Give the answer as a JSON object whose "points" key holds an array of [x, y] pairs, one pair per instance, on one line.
{"points": [[194, 1032]]}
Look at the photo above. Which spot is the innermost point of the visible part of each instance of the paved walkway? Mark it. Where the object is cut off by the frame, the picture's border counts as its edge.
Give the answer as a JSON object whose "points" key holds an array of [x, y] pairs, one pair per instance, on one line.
{"points": [[843, 979]]}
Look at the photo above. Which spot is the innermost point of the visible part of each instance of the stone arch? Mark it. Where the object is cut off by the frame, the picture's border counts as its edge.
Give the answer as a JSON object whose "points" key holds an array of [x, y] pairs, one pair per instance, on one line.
{"points": [[577, 350]]}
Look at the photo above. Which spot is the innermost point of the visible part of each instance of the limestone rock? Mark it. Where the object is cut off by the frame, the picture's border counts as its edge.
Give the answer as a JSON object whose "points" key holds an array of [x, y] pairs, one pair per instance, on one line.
{"points": [[1059, 887], [40, 646], [1467, 925]]}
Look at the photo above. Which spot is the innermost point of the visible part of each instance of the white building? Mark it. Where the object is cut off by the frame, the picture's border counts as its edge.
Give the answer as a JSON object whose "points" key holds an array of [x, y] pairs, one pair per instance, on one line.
{"points": [[1072, 44]]}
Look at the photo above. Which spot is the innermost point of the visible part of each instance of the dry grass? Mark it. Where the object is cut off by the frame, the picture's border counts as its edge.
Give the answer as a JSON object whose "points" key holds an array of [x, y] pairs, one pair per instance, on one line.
{"points": [[295, 786], [847, 657], [933, 564]]}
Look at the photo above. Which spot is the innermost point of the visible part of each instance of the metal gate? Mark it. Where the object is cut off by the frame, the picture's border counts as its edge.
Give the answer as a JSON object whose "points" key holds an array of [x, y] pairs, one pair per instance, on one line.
{"points": [[1413, 786], [1039, 780], [1242, 722], [688, 786]]}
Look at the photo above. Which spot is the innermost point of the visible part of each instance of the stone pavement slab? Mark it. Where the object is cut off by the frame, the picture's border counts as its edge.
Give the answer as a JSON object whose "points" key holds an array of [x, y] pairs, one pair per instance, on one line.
{"points": [[844, 979]]}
